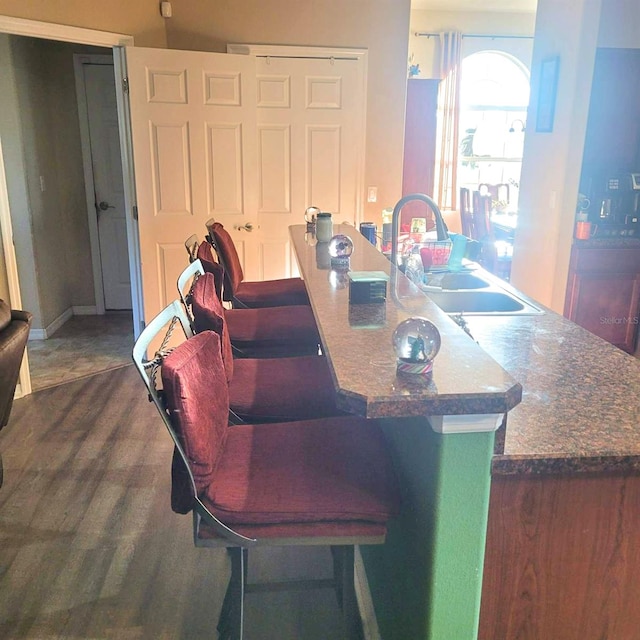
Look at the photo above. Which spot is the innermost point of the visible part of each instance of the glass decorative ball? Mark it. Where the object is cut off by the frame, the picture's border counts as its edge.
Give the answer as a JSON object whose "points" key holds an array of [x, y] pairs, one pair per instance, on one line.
{"points": [[340, 250], [340, 246], [416, 342]]}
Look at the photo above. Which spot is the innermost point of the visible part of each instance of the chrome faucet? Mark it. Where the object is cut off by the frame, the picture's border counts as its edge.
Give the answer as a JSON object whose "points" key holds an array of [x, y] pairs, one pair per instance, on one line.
{"points": [[441, 227]]}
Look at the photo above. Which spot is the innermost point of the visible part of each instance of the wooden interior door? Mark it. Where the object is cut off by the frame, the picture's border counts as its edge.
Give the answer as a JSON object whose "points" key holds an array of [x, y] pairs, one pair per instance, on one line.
{"points": [[193, 135], [100, 91], [250, 141], [309, 137]]}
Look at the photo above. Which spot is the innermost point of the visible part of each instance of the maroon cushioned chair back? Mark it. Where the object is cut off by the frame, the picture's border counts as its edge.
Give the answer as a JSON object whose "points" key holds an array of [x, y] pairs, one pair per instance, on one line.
{"points": [[197, 397], [209, 264], [208, 315], [229, 256]]}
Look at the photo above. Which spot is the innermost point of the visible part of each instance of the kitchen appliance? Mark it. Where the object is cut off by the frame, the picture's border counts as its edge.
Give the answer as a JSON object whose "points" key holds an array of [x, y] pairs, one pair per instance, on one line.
{"points": [[615, 210]]}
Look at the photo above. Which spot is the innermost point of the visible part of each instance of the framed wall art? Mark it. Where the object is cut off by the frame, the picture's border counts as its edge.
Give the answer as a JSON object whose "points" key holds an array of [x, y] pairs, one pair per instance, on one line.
{"points": [[547, 94]]}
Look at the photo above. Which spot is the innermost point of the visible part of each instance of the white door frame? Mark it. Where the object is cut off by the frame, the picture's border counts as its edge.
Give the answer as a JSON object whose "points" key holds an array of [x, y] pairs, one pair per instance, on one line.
{"points": [[6, 229], [65, 33], [361, 56]]}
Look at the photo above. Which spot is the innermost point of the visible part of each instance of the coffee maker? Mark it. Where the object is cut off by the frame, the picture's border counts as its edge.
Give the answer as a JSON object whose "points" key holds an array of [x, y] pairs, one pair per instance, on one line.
{"points": [[615, 207]]}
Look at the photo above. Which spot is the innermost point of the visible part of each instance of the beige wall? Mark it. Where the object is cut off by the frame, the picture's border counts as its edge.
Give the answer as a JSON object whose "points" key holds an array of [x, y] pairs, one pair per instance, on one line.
{"points": [[50, 226], [14, 161], [381, 26], [139, 18], [571, 29], [52, 154], [552, 161]]}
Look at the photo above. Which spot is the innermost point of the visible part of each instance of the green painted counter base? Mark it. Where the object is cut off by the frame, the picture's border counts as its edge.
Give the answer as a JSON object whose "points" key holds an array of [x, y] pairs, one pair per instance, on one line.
{"points": [[426, 580]]}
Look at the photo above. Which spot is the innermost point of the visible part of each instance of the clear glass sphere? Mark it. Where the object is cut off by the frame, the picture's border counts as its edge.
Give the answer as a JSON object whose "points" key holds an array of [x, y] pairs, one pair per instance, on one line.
{"points": [[416, 341], [340, 246]]}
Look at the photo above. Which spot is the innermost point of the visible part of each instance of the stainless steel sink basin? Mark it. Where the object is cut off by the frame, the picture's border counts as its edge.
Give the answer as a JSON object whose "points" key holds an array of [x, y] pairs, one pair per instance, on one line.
{"points": [[462, 281], [482, 302]]}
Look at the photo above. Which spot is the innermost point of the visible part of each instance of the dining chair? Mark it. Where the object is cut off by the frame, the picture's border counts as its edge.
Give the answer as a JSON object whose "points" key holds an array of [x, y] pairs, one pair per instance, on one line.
{"points": [[499, 193], [466, 214], [496, 255], [267, 293], [256, 333], [314, 482]]}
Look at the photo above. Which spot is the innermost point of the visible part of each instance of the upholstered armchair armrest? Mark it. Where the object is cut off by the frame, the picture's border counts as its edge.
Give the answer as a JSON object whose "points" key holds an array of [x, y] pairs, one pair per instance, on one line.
{"points": [[13, 339]]}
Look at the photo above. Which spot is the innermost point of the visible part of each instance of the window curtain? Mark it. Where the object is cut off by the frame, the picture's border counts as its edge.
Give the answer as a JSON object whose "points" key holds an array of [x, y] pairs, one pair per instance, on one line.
{"points": [[448, 120]]}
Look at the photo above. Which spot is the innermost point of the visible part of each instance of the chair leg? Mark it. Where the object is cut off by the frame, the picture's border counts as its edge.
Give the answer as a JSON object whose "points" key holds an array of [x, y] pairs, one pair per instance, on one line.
{"points": [[343, 566], [231, 621]]}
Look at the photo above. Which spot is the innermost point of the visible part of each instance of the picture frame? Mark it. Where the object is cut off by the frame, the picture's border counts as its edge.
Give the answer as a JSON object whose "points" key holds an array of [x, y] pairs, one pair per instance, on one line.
{"points": [[549, 71]]}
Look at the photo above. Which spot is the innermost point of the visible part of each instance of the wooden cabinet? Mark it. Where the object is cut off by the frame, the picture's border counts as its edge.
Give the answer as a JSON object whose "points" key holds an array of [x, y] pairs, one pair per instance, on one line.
{"points": [[419, 144], [561, 559], [603, 292]]}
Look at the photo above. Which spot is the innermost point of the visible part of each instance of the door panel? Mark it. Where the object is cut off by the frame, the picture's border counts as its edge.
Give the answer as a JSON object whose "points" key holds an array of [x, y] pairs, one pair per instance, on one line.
{"points": [[194, 154], [109, 189], [243, 140], [309, 114]]}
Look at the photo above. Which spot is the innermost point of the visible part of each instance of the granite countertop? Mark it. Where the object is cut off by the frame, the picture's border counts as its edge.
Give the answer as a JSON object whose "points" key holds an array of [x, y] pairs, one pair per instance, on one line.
{"points": [[358, 343], [580, 408]]}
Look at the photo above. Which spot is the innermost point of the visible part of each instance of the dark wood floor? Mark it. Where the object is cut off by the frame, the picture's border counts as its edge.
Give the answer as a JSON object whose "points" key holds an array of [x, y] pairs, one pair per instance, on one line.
{"points": [[89, 547]]}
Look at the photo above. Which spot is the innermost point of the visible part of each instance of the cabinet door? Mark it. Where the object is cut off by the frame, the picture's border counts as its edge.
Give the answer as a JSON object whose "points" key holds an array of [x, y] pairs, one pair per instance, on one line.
{"points": [[419, 145], [607, 305]]}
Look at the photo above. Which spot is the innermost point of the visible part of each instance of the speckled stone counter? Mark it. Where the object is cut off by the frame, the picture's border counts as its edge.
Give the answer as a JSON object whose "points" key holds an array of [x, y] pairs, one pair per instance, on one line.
{"points": [[580, 409], [358, 342]]}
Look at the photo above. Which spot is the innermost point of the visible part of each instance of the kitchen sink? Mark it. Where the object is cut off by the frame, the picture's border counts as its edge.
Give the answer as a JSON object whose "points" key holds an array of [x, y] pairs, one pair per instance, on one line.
{"points": [[472, 294], [462, 281]]}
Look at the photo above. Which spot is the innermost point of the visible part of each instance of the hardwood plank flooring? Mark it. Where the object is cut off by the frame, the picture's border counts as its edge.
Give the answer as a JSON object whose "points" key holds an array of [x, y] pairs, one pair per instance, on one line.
{"points": [[89, 547]]}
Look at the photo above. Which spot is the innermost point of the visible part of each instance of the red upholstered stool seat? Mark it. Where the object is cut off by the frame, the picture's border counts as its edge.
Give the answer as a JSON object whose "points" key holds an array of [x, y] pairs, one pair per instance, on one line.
{"points": [[282, 388], [272, 293], [278, 479], [294, 324], [265, 389], [267, 332], [313, 476], [269, 293]]}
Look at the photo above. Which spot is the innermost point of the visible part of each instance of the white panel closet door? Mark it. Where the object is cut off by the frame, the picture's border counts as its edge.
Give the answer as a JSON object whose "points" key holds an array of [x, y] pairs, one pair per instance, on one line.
{"points": [[310, 115], [194, 146]]}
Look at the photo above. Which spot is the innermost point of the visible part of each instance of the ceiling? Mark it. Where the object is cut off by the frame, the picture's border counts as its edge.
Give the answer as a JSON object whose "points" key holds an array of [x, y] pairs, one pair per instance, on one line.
{"points": [[507, 6]]}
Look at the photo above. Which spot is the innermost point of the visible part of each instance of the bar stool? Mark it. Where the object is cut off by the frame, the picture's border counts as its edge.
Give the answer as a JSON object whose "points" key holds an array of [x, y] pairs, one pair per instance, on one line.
{"points": [[268, 332], [268, 293], [316, 482], [264, 389]]}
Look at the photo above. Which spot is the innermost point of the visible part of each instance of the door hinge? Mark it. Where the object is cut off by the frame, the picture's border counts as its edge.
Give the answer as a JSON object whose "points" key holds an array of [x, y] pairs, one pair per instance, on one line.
{"points": [[125, 85], [134, 210]]}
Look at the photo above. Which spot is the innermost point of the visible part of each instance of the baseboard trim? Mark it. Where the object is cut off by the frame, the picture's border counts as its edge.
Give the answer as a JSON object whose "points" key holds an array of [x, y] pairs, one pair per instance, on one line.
{"points": [[365, 601], [50, 329]]}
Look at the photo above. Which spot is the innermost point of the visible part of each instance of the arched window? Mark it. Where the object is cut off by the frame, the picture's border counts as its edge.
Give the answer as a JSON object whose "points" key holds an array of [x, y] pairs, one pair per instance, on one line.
{"points": [[494, 95]]}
